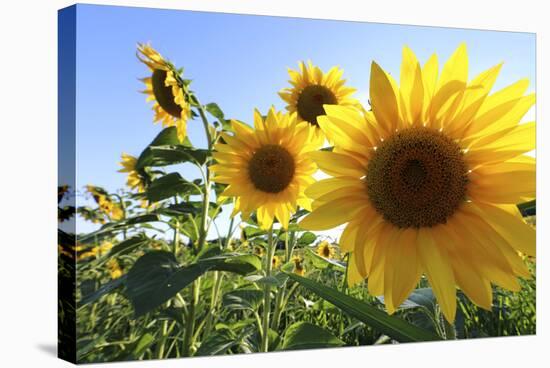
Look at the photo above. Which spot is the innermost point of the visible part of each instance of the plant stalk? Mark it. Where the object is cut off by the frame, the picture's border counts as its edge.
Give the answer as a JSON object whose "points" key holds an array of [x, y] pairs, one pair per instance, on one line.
{"points": [[267, 292]]}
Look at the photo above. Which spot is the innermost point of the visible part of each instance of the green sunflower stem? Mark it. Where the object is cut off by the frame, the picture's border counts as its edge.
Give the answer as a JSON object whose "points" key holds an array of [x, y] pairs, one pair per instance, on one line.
{"points": [[449, 329], [267, 292], [206, 198], [190, 323], [203, 232]]}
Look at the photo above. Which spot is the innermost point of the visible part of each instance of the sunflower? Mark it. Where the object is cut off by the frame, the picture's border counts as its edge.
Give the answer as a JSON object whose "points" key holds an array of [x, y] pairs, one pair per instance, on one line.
{"points": [[299, 268], [311, 89], [276, 262], [428, 182], [267, 168], [324, 249], [106, 205], [166, 88], [114, 268], [135, 180]]}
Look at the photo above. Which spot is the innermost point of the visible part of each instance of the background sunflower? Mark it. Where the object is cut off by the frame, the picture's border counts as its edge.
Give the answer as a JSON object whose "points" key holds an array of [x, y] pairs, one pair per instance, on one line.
{"points": [[311, 89], [267, 168]]}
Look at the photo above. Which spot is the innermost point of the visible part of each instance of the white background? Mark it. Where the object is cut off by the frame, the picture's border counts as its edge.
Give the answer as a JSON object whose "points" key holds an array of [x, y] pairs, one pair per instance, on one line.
{"points": [[28, 180]]}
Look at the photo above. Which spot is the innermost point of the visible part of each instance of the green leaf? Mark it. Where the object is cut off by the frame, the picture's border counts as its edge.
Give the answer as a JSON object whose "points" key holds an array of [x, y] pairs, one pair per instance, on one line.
{"points": [[168, 186], [180, 209], [395, 327], [249, 299], [241, 264], [103, 290], [304, 335], [217, 343], [156, 277], [170, 155], [215, 111], [307, 238], [128, 245], [277, 280], [117, 226], [142, 344], [322, 262], [168, 136], [252, 231]]}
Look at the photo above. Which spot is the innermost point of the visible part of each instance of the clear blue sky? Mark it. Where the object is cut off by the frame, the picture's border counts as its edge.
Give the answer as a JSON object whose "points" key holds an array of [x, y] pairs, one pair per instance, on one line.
{"points": [[240, 62]]}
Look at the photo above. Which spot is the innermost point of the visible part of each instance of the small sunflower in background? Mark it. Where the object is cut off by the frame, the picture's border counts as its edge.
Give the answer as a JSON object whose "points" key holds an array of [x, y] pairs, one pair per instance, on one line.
{"points": [[299, 268], [134, 180], [428, 182], [259, 250], [276, 262], [312, 89], [324, 249], [267, 168], [166, 88], [114, 268], [105, 204]]}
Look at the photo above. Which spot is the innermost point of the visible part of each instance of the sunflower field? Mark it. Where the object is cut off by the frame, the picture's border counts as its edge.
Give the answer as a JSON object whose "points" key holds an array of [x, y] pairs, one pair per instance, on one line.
{"points": [[432, 186]]}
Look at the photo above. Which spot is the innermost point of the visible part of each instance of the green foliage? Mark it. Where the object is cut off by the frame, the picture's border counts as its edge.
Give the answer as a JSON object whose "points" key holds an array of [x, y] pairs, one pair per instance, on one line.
{"points": [[394, 327], [304, 335]]}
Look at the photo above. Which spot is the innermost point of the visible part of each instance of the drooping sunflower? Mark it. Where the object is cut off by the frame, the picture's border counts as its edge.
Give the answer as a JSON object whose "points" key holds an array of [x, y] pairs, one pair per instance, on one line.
{"points": [[267, 168], [324, 249], [165, 87], [134, 181], [428, 182], [311, 89]]}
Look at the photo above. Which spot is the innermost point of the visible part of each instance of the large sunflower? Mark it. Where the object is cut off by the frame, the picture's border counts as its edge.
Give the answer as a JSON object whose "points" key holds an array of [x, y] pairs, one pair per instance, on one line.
{"points": [[311, 89], [165, 88], [428, 182], [267, 168]]}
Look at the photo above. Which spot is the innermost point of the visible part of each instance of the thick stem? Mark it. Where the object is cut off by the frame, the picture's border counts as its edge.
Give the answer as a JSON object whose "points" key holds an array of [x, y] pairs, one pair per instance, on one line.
{"points": [[206, 197], [190, 323], [267, 291]]}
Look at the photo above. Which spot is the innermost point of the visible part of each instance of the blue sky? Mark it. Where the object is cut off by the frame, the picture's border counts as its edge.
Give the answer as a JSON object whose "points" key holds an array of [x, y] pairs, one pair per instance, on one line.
{"points": [[240, 62]]}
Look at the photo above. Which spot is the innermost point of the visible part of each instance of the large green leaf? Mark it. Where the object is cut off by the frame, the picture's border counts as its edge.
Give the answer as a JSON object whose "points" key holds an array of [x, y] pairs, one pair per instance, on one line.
{"points": [[233, 262], [180, 209], [128, 245], [168, 186], [304, 335], [170, 155], [395, 327], [217, 343], [156, 277], [249, 299]]}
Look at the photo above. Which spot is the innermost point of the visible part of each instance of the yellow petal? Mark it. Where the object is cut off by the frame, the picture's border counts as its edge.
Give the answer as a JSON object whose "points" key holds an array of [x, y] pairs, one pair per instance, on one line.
{"points": [[435, 263], [383, 99], [456, 68], [406, 268], [331, 214], [336, 164], [411, 86]]}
